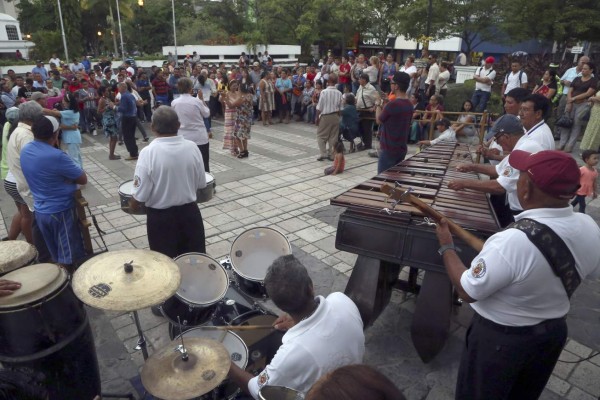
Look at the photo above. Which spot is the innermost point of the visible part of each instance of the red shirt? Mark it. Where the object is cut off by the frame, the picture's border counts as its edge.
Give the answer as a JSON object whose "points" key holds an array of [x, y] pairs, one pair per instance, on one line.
{"points": [[346, 69], [310, 76], [161, 87]]}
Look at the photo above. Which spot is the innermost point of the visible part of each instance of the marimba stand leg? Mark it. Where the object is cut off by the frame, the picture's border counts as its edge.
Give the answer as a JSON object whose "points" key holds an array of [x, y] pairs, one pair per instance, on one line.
{"points": [[370, 286], [431, 321]]}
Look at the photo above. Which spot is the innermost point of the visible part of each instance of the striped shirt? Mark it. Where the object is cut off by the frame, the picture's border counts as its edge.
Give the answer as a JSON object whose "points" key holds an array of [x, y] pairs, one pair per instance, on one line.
{"points": [[330, 101]]}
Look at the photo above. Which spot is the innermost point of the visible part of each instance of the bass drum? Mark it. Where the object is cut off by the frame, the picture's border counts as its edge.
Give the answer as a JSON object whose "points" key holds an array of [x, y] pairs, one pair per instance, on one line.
{"points": [[252, 253], [45, 328], [238, 352], [204, 283]]}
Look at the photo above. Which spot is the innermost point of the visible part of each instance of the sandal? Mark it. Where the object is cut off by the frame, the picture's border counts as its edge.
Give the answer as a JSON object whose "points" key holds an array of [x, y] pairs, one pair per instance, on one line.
{"points": [[115, 157]]}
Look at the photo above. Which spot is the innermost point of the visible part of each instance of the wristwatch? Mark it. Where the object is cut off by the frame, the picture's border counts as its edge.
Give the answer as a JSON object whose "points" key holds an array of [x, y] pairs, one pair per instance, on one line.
{"points": [[445, 247]]}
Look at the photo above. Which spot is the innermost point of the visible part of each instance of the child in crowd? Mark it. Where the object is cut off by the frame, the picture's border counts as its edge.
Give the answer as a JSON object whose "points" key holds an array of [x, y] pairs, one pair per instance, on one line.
{"points": [[589, 175], [448, 135], [339, 162]]}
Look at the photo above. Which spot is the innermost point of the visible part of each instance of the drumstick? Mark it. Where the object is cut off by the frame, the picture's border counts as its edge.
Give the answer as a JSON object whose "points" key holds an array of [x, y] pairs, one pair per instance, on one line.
{"points": [[237, 328], [456, 229]]}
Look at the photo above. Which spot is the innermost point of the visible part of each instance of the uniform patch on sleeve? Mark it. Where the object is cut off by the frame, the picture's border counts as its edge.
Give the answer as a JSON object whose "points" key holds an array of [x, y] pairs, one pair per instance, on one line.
{"points": [[508, 171], [136, 181], [263, 379], [478, 271]]}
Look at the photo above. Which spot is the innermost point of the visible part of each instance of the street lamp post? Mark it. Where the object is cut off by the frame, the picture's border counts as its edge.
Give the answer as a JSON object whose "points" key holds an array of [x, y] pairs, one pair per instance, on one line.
{"points": [[62, 29], [120, 32], [174, 32]]}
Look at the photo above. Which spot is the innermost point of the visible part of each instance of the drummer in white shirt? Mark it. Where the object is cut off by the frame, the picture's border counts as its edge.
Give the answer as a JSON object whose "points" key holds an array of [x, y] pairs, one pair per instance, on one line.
{"points": [[323, 333], [192, 111], [168, 173], [532, 112]]}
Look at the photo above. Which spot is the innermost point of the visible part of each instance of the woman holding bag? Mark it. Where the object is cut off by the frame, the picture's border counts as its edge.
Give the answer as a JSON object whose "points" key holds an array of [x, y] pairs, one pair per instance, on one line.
{"points": [[582, 88]]}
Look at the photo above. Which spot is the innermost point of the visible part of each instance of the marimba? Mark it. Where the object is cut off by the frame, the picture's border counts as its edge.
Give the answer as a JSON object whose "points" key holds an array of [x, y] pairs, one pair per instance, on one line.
{"points": [[387, 236]]}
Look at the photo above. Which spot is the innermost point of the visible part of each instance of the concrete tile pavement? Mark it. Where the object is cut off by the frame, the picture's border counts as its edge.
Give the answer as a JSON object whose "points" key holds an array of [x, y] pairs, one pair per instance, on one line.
{"points": [[282, 186]]}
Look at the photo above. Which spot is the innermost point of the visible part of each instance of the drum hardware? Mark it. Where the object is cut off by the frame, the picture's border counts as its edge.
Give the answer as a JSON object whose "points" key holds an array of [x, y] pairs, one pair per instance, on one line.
{"points": [[236, 328]]}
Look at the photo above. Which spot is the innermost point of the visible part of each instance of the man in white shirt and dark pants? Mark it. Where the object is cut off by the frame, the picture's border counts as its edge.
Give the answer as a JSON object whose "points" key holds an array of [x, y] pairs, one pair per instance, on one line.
{"points": [[484, 79], [514, 79], [328, 118], [191, 111], [520, 283], [168, 173], [323, 333]]}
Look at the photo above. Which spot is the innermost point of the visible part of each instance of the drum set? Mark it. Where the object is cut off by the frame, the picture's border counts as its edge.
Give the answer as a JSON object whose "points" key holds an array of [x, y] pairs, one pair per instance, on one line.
{"points": [[214, 309]]}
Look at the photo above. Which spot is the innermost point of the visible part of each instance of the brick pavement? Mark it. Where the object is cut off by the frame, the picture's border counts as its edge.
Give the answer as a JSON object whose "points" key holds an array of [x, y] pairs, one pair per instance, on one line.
{"points": [[282, 186]]}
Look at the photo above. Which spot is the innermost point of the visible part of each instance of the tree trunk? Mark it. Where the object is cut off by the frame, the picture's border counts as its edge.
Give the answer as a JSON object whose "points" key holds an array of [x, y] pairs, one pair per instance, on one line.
{"points": [[112, 27]]}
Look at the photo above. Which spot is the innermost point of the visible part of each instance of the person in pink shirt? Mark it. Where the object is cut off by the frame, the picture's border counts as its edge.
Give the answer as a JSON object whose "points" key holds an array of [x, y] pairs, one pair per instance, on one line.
{"points": [[589, 176]]}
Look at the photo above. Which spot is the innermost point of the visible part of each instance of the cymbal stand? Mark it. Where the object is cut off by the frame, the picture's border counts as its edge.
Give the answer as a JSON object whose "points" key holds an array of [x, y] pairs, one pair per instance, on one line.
{"points": [[141, 344], [181, 348]]}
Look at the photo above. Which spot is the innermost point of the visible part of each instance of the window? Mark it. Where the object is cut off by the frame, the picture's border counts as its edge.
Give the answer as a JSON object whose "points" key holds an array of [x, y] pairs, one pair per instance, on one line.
{"points": [[12, 33]]}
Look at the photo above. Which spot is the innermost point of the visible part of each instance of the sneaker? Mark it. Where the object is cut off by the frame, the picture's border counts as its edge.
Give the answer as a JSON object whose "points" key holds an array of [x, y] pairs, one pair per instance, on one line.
{"points": [[95, 132]]}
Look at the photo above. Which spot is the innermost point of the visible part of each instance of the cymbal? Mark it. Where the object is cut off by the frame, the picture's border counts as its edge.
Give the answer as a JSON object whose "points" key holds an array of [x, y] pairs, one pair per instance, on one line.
{"points": [[167, 376], [103, 281]]}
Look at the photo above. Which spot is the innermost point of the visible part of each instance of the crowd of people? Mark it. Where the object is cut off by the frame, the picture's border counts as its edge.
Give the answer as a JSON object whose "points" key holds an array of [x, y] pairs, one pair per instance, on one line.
{"points": [[348, 99]]}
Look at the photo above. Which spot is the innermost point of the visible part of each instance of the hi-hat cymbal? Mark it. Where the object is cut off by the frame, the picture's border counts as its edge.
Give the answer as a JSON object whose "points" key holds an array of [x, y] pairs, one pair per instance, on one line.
{"points": [[167, 376], [107, 282]]}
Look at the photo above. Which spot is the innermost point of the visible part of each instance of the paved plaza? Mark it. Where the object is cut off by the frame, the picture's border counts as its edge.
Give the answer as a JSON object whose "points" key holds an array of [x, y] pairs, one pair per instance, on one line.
{"points": [[282, 186]]}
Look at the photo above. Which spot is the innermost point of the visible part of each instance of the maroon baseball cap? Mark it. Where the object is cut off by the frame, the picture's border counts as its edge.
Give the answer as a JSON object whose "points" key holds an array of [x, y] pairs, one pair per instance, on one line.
{"points": [[553, 172]]}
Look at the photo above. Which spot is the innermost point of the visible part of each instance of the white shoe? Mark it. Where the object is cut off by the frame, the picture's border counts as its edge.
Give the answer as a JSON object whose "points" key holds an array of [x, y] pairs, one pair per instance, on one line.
{"points": [[95, 132]]}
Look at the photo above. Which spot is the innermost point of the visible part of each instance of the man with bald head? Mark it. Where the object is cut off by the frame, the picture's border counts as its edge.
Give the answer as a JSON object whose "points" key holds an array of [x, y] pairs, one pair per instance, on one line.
{"points": [[520, 283]]}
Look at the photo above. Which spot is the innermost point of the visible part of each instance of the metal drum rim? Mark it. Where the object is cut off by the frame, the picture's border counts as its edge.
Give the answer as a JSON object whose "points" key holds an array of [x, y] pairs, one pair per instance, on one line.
{"points": [[123, 193], [235, 269], [228, 332], [207, 304]]}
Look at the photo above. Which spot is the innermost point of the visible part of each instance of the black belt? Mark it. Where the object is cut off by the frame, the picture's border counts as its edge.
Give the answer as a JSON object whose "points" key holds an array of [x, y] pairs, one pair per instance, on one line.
{"points": [[335, 112], [539, 329]]}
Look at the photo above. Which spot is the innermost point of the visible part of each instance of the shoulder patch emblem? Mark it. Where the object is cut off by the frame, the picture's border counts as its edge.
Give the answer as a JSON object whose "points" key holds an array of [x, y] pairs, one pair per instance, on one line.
{"points": [[478, 271], [136, 181], [508, 171], [263, 379]]}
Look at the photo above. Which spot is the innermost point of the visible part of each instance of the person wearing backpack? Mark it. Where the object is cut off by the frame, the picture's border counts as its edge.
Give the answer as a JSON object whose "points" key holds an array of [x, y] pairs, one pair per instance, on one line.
{"points": [[514, 79], [484, 78]]}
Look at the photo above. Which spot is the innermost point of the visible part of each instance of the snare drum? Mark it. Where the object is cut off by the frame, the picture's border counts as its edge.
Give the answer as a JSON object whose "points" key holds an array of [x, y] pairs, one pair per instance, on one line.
{"points": [[15, 254], [204, 283], [252, 253], [125, 194], [205, 194], [279, 393]]}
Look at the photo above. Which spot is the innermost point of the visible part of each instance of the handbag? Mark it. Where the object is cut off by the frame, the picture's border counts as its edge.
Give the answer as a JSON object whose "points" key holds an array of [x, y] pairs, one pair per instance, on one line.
{"points": [[565, 121]]}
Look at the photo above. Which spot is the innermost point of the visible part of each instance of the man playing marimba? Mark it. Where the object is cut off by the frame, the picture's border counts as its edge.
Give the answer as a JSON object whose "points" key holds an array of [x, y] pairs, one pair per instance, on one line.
{"points": [[520, 283], [507, 132]]}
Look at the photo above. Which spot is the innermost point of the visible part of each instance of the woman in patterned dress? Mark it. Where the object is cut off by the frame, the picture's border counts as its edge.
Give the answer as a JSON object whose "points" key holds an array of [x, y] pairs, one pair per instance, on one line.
{"points": [[106, 108], [230, 99], [243, 124], [591, 137], [267, 98]]}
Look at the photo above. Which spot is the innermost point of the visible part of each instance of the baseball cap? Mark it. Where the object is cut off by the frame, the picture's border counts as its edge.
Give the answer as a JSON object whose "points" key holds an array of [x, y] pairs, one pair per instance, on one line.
{"points": [[507, 123], [255, 64], [490, 60], [38, 95], [553, 172]]}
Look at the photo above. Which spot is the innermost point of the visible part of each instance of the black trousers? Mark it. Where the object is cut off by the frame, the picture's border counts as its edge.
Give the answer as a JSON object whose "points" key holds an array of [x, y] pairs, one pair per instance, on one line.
{"points": [[504, 362], [204, 151], [176, 230], [365, 126], [503, 212], [128, 125]]}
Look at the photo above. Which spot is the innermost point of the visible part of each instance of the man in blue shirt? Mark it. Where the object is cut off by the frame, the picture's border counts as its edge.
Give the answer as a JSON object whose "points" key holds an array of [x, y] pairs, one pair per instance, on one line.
{"points": [[52, 177], [40, 69], [128, 111]]}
